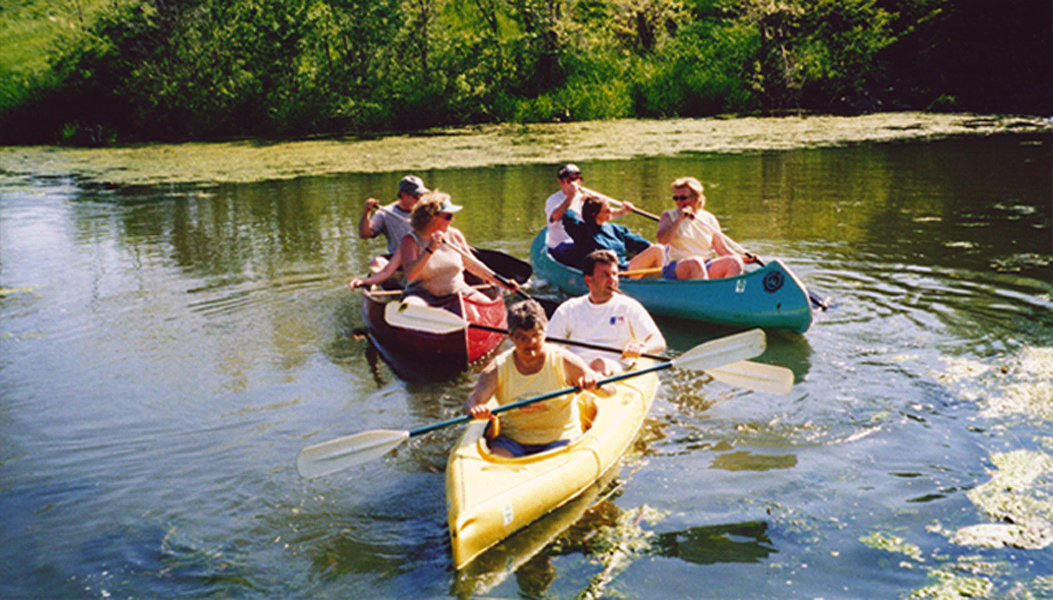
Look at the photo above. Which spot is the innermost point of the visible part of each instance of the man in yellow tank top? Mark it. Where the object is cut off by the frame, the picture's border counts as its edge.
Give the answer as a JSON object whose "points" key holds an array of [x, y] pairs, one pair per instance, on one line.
{"points": [[531, 368]]}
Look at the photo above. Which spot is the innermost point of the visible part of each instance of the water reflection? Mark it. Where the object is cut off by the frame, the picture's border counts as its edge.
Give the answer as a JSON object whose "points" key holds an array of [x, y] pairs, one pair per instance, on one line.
{"points": [[165, 352], [746, 542], [528, 553], [750, 461]]}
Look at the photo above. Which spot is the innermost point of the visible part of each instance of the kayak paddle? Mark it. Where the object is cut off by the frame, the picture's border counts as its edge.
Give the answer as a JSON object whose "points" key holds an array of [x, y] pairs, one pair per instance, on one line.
{"points": [[341, 453], [743, 374]]}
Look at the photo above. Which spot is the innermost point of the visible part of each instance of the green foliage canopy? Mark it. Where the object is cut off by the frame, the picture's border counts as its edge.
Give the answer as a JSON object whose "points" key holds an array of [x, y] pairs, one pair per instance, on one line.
{"points": [[200, 69]]}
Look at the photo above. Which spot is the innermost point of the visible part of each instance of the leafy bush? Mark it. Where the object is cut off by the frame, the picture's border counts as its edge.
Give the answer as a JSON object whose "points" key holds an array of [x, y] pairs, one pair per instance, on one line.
{"points": [[198, 69]]}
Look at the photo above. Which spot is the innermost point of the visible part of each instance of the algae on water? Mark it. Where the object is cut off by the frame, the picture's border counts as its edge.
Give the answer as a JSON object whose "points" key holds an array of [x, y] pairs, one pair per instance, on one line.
{"points": [[1017, 497], [892, 543]]}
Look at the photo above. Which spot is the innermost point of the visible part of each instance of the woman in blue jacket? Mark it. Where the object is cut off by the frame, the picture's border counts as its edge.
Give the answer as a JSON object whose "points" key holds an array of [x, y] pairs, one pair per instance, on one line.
{"points": [[594, 231]]}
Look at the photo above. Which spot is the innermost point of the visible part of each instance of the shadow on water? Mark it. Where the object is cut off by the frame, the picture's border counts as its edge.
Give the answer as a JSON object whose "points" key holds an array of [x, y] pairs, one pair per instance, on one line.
{"points": [[790, 350], [736, 542]]}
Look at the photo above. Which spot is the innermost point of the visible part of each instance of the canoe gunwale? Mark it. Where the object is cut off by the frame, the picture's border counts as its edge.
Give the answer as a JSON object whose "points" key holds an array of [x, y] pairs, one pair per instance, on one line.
{"points": [[771, 297], [452, 352]]}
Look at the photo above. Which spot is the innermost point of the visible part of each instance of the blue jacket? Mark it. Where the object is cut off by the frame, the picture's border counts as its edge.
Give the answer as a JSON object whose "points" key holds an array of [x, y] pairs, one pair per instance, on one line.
{"points": [[608, 236]]}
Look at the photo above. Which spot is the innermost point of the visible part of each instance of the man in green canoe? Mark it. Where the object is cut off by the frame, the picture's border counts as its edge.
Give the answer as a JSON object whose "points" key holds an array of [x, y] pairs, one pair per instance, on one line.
{"points": [[606, 317], [531, 368]]}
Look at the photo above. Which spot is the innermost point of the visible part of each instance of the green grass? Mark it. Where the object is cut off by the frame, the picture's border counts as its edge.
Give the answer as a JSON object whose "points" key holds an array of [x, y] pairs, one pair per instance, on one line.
{"points": [[29, 30]]}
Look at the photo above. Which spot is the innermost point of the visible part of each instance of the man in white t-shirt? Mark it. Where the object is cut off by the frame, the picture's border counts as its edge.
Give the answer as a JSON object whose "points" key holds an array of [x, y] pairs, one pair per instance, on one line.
{"points": [[606, 317], [569, 197]]}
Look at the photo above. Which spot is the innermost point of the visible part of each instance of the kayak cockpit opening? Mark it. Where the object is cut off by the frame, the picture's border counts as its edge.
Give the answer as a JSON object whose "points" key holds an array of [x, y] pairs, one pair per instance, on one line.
{"points": [[587, 411]]}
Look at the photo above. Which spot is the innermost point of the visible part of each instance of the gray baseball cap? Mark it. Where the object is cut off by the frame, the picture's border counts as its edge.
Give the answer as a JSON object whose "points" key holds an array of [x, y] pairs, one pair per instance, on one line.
{"points": [[412, 185]]}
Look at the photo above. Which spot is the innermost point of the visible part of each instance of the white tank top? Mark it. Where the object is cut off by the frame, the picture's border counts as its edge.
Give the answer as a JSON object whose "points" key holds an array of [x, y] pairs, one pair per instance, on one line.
{"points": [[691, 238], [443, 272]]}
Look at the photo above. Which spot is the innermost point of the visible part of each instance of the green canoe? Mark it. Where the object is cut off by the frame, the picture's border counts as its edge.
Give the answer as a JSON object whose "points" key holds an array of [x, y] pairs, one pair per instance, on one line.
{"points": [[770, 297]]}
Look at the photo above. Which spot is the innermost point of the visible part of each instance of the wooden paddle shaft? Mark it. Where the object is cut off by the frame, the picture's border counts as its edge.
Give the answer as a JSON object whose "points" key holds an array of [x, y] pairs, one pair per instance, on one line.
{"points": [[650, 271]]}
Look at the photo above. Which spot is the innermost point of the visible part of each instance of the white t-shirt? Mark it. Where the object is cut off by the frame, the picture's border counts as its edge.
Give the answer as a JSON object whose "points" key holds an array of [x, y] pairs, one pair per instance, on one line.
{"points": [[393, 227], [617, 322], [556, 234]]}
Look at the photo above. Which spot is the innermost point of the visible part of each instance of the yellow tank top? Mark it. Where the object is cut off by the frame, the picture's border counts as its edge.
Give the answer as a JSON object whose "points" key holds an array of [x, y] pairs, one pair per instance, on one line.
{"points": [[558, 420]]}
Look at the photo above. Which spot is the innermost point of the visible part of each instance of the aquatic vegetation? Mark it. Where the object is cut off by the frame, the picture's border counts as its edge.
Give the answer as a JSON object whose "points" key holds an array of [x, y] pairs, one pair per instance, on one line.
{"points": [[1014, 495], [951, 585], [892, 543], [18, 290], [616, 546], [480, 146]]}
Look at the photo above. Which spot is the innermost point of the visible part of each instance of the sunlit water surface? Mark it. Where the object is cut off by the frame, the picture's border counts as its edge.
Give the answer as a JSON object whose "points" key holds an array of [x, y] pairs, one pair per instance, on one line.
{"points": [[166, 352]]}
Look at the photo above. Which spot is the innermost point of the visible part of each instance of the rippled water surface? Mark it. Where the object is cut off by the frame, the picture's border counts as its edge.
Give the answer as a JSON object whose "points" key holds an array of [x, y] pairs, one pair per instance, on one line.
{"points": [[166, 351]]}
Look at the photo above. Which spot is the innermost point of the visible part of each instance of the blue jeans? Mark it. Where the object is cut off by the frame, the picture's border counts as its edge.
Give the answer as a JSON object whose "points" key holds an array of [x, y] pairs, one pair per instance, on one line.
{"points": [[564, 253], [669, 270], [518, 449]]}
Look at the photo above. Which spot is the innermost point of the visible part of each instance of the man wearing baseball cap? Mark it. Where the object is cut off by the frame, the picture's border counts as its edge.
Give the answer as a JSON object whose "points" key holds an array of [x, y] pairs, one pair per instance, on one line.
{"points": [[392, 220], [569, 197]]}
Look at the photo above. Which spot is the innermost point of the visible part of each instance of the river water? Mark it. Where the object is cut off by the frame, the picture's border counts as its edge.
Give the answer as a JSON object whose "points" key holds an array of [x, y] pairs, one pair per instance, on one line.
{"points": [[165, 351]]}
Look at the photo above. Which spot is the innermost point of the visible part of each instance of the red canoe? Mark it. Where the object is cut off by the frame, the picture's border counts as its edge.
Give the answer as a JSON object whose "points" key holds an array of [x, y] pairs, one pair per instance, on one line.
{"points": [[420, 355]]}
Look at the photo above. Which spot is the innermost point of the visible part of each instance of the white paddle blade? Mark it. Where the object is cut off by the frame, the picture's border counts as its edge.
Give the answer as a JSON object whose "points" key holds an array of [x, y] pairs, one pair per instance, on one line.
{"points": [[341, 453], [422, 318], [755, 376], [722, 351]]}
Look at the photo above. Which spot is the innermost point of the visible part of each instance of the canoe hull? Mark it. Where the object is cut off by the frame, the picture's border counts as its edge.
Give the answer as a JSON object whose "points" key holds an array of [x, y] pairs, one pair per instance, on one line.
{"points": [[423, 355], [490, 498], [771, 297]]}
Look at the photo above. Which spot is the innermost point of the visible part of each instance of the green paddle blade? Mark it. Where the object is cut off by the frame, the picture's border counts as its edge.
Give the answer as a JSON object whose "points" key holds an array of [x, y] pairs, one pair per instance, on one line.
{"points": [[755, 376], [334, 455], [722, 351], [422, 318]]}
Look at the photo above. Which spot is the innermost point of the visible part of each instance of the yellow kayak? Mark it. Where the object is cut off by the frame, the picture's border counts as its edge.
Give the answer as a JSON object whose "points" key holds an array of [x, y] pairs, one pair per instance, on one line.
{"points": [[489, 498]]}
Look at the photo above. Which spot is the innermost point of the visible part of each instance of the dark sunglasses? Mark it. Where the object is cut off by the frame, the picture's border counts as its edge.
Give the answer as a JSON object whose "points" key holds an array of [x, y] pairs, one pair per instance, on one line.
{"points": [[573, 178], [681, 198], [447, 216]]}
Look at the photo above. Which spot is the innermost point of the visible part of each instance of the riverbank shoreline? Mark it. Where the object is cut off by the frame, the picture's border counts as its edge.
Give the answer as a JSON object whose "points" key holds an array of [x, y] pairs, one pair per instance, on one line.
{"points": [[488, 145]]}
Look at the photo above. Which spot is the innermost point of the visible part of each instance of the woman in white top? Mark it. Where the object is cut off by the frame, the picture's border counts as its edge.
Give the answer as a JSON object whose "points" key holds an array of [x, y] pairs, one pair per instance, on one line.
{"points": [[695, 247], [434, 255]]}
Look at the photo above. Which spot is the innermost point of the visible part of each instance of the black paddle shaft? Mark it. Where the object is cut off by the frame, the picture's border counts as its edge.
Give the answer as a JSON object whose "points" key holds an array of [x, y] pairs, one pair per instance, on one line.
{"points": [[570, 342]]}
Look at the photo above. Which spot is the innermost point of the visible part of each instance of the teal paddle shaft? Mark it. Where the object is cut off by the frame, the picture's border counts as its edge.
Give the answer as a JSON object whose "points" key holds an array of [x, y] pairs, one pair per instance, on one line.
{"points": [[535, 399]]}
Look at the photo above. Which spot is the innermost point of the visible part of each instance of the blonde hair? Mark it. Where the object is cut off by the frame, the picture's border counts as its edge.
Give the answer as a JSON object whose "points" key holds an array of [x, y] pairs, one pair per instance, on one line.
{"points": [[429, 206], [692, 184]]}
